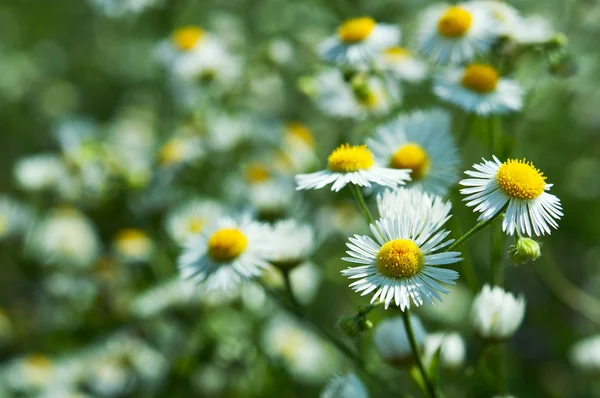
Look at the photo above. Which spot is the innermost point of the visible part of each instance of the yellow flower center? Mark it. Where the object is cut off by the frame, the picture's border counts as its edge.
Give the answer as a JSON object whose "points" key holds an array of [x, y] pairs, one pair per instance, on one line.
{"points": [[455, 22], [256, 173], [172, 152], [347, 159], [39, 361], [520, 180], [195, 225], [356, 29], [480, 78], [411, 156], [400, 258], [226, 244], [396, 53], [298, 130], [187, 37], [132, 242], [130, 234]]}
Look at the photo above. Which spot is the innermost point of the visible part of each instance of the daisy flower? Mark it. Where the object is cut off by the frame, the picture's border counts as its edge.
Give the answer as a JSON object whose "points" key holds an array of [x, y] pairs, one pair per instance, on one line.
{"points": [[422, 143], [357, 42], [193, 54], [402, 64], [478, 88], [497, 314], [517, 188], [291, 243], [352, 165], [225, 254], [15, 218], [451, 346], [190, 218], [394, 202], [585, 355], [356, 97], [180, 149], [456, 33], [401, 264]]}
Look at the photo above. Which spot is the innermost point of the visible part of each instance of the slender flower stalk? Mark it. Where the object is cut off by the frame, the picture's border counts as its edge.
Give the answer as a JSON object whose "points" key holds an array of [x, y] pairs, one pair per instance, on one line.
{"points": [[478, 227]]}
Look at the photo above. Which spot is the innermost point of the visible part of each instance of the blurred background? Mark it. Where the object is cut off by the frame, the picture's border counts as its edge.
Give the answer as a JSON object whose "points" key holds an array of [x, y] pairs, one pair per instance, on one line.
{"points": [[103, 151]]}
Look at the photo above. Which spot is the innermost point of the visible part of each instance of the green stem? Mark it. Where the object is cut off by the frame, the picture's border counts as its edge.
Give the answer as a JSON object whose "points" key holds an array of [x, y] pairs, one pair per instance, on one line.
{"points": [[478, 227], [432, 392], [502, 371], [360, 200], [337, 343]]}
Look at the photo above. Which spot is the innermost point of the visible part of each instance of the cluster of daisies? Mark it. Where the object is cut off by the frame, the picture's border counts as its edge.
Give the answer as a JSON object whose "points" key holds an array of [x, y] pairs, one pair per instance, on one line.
{"points": [[455, 44]]}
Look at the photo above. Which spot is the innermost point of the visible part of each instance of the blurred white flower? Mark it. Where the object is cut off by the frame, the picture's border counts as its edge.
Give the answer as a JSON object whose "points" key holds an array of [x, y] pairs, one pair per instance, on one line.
{"points": [[357, 42], [291, 243], [422, 142], [391, 340], [479, 89], [65, 237], [39, 172], [345, 386], [452, 346], [15, 218], [454, 34], [402, 64], [496, 314], [189, 218], [585, 355], [305, 355]]}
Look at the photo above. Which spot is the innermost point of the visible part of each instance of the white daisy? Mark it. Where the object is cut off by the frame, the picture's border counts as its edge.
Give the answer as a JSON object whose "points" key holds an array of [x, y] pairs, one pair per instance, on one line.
{"points": [[346, 386], [291, 243], [402, 263], [496, 314], [478, 88], [357, 42], [533, 29], [352, 165], [505, 16], [226, 253], [190, 218], [354, 97], [180, 149], [453, 34], [65, 237], [402, 64], [193, 54], [391, 340], [517, 188], [393, 203], [298, 152], [421, 142]]}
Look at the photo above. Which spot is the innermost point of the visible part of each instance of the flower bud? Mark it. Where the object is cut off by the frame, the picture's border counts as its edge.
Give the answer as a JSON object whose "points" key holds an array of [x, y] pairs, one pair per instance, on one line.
{"points": [[496, 314], [524, 250], [349, 326]]}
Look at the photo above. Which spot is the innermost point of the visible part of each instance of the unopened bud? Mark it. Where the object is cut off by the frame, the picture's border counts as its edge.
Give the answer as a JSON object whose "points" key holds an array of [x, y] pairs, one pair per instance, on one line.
{"points": [[349, 326], [524, 250], [365, 325]]}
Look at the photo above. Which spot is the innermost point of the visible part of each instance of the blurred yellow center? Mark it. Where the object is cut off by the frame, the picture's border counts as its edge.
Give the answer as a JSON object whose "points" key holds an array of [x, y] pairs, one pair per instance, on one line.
{"points": [[399, 258], [480, 78], [347, 159], [130, 234], [520, 180], [411, 156], [256, 173], [186, 38], [356, 29], [226, 244], [396, 53], [455, 22], [172, 152], [39, 361], [195, 225], [300, 131]]}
